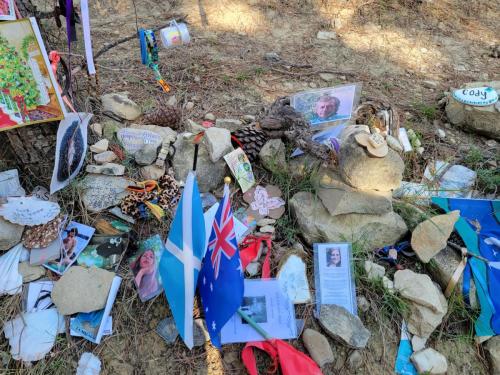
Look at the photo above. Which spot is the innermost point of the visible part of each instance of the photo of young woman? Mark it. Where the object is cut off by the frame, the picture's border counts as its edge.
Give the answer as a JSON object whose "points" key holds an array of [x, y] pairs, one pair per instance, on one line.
{"points": [[145, 269]]}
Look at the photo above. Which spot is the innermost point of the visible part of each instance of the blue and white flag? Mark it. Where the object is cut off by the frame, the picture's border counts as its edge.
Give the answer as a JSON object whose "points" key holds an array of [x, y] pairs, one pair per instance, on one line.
{"points": [[181, 262], [221, 277]]}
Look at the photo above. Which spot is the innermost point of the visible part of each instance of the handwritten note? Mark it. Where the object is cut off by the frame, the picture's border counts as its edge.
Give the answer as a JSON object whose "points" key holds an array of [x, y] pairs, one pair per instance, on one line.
{"points": [[29, 211]]}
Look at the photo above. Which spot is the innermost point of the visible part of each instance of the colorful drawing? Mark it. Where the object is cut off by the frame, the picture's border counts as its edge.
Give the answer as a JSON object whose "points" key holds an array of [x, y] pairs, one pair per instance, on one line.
{"points": [[28, 89]]}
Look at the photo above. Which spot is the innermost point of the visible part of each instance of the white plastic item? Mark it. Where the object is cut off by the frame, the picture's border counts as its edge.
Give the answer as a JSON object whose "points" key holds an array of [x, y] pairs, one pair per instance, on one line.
{"points": [[88, 364], [11, 281], [29, 210], [32, 335], [177, 34]]}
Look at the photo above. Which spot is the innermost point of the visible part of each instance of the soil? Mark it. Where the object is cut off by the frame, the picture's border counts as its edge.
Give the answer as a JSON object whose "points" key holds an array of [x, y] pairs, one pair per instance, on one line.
{"points": [[407, 52]]}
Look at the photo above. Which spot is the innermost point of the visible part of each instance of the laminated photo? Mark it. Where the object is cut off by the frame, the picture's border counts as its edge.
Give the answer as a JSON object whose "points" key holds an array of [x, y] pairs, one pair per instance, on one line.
{"points": [[75, 238], [104, 251], [29, 93], [7, 10], [326, 106]]}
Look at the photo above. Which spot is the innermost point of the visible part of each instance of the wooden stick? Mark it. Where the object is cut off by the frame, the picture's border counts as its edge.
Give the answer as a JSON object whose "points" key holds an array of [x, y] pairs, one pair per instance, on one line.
{"points": [[254, 325]]}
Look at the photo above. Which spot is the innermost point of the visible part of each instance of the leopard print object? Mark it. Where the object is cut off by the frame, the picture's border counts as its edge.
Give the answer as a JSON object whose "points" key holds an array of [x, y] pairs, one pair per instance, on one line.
{"points": [[168, 195]]}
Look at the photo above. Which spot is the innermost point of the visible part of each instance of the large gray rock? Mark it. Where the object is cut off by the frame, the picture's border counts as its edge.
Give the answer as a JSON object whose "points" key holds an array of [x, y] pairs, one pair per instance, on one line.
{"points": [[431, 236], [340, 198], [362, 171], [318, 347], [429, 361], [121, 105], [82, 289], [492, 348], [483, 120], [272, 155], [10, 234], [317, 225], [419, 289], [100, 191], [210, 175], [341, 325]]}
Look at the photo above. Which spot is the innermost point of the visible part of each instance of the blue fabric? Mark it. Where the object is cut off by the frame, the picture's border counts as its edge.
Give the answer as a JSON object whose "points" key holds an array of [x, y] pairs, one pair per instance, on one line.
{"points": [[478, 225], [221, 277]]}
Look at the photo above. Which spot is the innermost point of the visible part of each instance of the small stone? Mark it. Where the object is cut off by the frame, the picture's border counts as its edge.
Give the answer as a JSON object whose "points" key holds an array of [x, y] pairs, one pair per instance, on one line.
{"points": [[272, 155], [146, 155], [388, 284], [430, 84], [328, 77], [318, 347], [419, 289], [292, 276], [105, 157], [272, 56], [29, 272], [341, 325], [420, 150], [248, 118], [429, 361], [218, 142], [441, 133], [229, 124], [363, 303], [193, 127], [394, 143], [264, 222], [152, 172], [326, 35], [100, 146], [121, 105], [418, 343], [110, 169], [10, 234], [111, 127], [431, 236], [209, 117], [172, 101], [267, 229], [189, 106], [373, 270], [492, 349], [491, 143], [96, 128], [253, 268], [82, 289], [355, 360]]}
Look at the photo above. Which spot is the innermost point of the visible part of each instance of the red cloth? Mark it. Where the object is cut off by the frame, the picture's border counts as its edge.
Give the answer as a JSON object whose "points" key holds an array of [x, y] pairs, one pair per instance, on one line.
{"points": [[249, 249], [285, 356], [5, 120]]}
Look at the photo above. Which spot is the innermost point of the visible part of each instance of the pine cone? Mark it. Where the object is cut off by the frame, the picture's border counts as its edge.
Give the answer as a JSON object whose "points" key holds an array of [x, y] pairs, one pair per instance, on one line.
{"points": [[164, 116], [251, 140]]}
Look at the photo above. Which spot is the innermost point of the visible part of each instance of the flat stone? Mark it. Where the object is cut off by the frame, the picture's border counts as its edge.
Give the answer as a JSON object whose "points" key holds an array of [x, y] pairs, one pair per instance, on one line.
{"points": [[394, 143], [133, 139], [248, 118], [362, 171], [328, 77], [10, 234], [272, 155], [29, 272], [100, 146], [218, 142], [422, 321], [101, 191], [388, 284], [418, 343], [362, 303], [265, 221], [152, 172], [326, 35], [105, 157], [189, 106], [317, 225], [430, 84], [267, 229], [110, 169], [340, 198], [373, 270], [229, 124], [96, 128], [121, 105], [82, 289], [292, 277], [210, 175], [419, 289], [110, 128], [431, 236], [168, 135], [429, 361], [341, 325], [355, 360], [146, 155], [318, 347], [492, 349]]}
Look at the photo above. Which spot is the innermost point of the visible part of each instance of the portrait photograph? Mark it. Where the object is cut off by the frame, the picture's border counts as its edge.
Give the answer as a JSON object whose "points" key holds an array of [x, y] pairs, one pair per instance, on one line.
{"points": [[7, 11], [29, 93], [144, 266], [325, 105], [255, 308]]}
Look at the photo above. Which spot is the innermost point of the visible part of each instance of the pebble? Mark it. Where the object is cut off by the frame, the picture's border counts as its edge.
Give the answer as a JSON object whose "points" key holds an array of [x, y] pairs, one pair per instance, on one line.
{"points": [[373, 270], [326, 35], [96, 128], [418, 343], [253, 268], [172, 101], [420, 150], [267, 229], [363, 303], [355, 360], [441, 133], [394, 143], [248, 118], [105, 157], [100, 146], [264, 222], [491, 143], [430, 84], [209, 117], [152, 172], [189, 106], [110, 169], [327, 77], [429, 361], [318, 347]]}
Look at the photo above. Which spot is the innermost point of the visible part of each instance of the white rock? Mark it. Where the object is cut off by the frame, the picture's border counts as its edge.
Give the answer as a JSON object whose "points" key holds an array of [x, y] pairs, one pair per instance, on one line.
{"points": [[105, 157], [388, 284], [253, 268], [172, 101], [218, 142], [441, 133], [248, 118], [88, 364], [267, 229], [419, 289], [418, 343], [100, 146], [394, 143], [209, 117], [264, 222], [189, 106], [110, 169], [96, 128], [101, 191], [152, 172], [328, 77], [430, 84], [429, 361], [374, 270], [326, 35]]}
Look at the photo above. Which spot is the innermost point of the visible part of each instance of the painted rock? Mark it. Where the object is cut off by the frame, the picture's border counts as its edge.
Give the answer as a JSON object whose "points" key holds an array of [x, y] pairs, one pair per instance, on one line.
{"points": [[476, 96]]}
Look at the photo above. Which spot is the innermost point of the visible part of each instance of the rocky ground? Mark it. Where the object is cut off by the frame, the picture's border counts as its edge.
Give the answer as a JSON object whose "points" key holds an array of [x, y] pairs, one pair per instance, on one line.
{"points": [[244, 55]]}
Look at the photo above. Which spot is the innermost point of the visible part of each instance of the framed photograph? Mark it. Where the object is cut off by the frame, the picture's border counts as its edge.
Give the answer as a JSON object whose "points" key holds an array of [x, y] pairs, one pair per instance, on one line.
{"points": [[327, 106], [7, 10], [144, 266], [29, 93], [75, 238], [334, 276]]}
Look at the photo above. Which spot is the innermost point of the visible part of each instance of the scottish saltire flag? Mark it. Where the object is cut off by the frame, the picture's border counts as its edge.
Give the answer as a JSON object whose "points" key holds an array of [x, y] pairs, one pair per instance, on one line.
{"points": [[221, 277], [181, 262]]}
